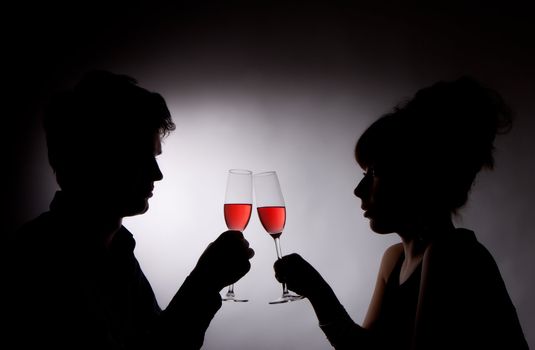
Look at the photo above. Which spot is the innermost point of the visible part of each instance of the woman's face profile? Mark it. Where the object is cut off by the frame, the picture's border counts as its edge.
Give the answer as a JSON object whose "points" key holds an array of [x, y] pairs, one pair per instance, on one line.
{"points": [[386, 199]]}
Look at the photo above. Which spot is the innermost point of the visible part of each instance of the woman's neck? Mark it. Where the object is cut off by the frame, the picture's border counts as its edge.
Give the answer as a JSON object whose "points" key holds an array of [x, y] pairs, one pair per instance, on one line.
{"points": [[417, 236]]}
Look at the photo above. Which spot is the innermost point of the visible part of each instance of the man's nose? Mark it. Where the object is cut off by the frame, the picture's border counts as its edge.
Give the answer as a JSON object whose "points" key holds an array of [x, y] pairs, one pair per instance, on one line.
{"points": [[156, 172]]}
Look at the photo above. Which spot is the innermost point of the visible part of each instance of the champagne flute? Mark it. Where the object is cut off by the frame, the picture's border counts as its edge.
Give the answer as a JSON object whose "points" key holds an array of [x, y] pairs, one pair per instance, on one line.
{"points": [[272, 213], [237, 209]]}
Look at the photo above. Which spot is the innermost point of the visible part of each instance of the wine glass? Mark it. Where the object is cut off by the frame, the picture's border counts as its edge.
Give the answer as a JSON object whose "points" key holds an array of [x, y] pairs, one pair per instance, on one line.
{"points": [[237, 209], [272, 213]]}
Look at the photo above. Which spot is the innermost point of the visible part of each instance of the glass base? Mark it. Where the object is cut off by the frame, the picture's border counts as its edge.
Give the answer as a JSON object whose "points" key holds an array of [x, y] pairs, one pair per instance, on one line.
{"points": [[231, 297], [286, 298]]}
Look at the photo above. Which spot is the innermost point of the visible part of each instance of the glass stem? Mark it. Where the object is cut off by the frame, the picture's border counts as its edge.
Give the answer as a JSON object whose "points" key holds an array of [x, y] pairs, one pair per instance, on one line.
{"points": [[231, 289], [279, 256], [278, 247]]}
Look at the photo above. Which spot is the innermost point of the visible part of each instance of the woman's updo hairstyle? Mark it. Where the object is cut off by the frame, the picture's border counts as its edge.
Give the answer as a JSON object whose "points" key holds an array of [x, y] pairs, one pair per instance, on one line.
{"points": [[439, 140]]}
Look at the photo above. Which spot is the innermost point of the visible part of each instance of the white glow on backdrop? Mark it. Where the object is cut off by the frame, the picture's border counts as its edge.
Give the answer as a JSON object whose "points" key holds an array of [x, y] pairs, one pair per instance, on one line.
{"points": [[307, 135], [309, 142]]}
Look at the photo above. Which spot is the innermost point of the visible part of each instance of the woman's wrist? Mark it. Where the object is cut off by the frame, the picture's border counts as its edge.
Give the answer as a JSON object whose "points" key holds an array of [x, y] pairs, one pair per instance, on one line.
{"points": [[327, 306]]}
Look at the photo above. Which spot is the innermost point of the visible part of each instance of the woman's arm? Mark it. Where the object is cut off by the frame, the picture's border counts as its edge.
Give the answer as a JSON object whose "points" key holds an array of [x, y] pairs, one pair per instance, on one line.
{"points": [[340, 329], [388, 262]]}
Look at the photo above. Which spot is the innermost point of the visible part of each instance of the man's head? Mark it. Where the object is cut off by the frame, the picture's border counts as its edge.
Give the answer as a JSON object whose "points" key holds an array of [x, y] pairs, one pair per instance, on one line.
{"points": [[102, 137]]}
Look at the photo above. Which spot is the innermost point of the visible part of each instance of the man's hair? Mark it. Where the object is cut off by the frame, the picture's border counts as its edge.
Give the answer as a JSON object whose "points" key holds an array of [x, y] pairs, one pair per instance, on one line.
{"points": [[104, 110]]}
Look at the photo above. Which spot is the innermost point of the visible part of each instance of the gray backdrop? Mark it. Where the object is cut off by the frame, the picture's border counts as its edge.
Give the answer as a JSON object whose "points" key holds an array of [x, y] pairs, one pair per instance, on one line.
{"points": [[287, 88]]}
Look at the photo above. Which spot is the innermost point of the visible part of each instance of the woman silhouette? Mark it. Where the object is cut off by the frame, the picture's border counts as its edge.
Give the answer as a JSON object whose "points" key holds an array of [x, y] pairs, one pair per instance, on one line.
{"points": [[439, 288]]}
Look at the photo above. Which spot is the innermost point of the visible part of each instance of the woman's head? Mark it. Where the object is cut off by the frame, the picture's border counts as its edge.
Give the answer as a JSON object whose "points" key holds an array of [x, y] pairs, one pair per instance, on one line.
{"points": [[434, 145]]}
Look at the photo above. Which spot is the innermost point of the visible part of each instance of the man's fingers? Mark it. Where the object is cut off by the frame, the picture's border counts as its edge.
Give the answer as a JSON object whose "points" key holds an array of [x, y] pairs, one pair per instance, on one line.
{"points": [[231, 234], [235, 243], [250, 252]]}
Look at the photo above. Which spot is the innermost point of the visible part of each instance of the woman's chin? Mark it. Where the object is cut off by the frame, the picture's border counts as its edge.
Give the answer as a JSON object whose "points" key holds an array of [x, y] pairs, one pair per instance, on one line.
{"points": [[379, 227]]}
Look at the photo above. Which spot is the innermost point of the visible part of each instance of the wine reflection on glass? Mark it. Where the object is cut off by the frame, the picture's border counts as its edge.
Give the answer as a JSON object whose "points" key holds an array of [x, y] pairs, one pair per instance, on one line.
{"points": [[237, 209], [272, 213]]}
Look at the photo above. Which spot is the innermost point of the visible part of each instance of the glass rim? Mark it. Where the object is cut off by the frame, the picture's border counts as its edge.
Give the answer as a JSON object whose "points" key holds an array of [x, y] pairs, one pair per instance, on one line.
{"points": [[240, 171], [266, 173]]}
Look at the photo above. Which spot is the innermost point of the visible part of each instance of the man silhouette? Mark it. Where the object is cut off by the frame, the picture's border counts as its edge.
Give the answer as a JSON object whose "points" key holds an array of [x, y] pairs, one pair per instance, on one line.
{"points": [[73, 280]]}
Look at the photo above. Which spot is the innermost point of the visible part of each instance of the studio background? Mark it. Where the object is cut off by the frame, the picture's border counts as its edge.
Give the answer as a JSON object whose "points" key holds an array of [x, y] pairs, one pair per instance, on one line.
{"points": [[287, 87]]}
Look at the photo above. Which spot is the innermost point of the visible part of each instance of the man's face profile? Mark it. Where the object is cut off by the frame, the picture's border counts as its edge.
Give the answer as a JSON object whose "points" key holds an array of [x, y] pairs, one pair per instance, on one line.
{"points": [[131, 180], [120, 179]]}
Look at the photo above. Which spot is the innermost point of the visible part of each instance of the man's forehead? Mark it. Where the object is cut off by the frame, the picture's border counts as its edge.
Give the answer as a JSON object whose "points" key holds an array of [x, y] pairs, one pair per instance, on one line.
{"points": [[157, 144], [147, 143]]}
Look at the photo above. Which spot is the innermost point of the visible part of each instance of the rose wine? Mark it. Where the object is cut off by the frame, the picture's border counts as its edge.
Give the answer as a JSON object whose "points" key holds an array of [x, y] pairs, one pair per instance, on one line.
{"points": [[273, 219], [237, 216]]}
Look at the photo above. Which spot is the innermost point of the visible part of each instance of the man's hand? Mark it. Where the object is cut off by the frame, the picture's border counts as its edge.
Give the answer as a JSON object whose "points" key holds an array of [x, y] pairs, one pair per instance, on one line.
{"points": [[224, 261]]}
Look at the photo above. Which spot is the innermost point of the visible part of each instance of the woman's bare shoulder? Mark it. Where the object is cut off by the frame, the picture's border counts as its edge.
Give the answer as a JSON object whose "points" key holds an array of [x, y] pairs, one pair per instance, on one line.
{"points": [[390, 258]]}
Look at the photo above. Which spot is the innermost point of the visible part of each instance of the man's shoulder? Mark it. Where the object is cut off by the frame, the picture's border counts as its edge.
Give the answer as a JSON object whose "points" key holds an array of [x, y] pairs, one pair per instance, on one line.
{"points": [[38, 223], [33, 233]]}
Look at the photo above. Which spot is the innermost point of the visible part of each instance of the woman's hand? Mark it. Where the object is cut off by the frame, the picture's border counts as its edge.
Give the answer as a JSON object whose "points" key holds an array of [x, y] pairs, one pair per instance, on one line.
{"points": [[299, 275]]}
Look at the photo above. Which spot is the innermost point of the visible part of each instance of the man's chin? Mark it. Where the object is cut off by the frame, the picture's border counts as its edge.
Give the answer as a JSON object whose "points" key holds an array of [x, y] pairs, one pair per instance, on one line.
{"points": [[134, 210]]}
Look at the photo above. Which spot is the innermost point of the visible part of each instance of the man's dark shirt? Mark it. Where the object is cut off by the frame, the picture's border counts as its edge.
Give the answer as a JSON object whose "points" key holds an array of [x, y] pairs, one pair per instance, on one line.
{"points": [[65, 290]]}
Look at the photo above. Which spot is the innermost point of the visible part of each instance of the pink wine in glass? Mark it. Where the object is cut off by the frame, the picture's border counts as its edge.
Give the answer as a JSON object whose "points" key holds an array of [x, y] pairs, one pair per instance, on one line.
{"points": [[273, 219], [237, 216]]}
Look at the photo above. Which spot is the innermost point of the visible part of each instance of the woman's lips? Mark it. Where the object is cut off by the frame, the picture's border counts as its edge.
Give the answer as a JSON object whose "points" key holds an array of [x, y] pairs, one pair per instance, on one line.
{"points": [[366, 210]]}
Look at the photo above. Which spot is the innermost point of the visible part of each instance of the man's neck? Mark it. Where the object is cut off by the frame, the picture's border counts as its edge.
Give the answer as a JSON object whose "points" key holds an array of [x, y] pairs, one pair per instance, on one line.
{"points": [[101, 223]]}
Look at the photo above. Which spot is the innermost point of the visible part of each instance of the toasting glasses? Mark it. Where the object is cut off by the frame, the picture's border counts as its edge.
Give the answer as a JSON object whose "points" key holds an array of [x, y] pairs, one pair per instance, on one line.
{"points": [[237, 209], [272, 213]]}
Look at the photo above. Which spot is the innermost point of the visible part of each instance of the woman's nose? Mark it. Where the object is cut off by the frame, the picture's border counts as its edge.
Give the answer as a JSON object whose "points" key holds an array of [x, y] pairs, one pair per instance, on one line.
{"points": [[361, 189]]}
